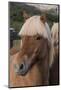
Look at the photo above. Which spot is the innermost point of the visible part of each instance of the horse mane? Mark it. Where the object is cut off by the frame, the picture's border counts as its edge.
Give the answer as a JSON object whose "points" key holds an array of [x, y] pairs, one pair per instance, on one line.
{"points": [[54, 31], [33, 26]]}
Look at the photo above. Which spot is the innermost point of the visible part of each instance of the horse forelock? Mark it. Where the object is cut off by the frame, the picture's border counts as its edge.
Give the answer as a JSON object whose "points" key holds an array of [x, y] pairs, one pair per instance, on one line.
{"points": [[34, 26]]}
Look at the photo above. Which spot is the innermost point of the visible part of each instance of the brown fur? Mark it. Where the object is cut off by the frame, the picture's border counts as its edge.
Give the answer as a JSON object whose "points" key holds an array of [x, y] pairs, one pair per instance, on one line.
{"points": [[38, 74], [28, 80], [43, 19], [13, 51]]}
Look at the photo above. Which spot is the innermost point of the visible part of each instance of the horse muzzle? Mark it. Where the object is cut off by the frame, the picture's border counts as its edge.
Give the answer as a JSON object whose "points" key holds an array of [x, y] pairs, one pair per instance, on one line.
{"points": [[23, 68]]}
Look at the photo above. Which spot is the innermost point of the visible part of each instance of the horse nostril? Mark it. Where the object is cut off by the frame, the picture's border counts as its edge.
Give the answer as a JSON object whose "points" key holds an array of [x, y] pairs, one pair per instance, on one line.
{"points": [[21, 66], [21, 69]]}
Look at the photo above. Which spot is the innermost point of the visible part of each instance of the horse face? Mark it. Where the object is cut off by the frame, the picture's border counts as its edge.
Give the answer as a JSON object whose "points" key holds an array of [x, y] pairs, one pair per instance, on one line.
{"points": [[33, 49]]}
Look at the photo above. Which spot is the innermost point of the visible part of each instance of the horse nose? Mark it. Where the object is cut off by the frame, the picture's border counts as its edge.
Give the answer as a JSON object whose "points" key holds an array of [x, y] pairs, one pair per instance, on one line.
{"points": [[21, 67]]}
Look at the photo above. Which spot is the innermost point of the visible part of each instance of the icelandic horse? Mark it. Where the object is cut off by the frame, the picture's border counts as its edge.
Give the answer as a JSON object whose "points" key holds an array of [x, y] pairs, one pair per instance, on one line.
{"points": [[30, 65]]}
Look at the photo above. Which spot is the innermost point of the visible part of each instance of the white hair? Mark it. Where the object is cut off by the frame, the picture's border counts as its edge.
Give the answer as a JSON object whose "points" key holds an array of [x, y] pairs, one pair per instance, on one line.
{"points": [[55, 27], [33, 26], [54, 33]]}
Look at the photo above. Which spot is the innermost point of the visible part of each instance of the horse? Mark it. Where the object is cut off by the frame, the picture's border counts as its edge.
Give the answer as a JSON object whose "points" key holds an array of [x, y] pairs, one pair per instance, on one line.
{"points": [[54, 33], [13, 51], [54, 70], [30, 65]]}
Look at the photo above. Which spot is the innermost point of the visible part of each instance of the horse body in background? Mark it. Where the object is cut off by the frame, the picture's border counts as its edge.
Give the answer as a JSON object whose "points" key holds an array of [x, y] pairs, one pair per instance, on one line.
{"points": [[30, 66], [54, 70], [55, 38]]}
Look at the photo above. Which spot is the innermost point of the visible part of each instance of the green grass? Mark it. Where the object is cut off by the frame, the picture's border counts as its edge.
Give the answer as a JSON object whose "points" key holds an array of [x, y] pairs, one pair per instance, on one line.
{"points": [[16, 25]]}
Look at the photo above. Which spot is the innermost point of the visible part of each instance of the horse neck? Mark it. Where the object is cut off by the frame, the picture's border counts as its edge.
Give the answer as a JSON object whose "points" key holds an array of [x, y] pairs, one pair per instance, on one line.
{"points": [[44, 69]]}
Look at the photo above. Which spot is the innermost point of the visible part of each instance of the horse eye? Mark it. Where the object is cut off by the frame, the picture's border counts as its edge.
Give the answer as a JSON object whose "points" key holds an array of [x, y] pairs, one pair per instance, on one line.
{"points": [[38, 38]]}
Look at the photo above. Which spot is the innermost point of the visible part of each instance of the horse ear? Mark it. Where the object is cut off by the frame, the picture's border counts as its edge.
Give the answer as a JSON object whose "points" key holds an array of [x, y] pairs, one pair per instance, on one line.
{"points": [[25, 15], [43, 18]]}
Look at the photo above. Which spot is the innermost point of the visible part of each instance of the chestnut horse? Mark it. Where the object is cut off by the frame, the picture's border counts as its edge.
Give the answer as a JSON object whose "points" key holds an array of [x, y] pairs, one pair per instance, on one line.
{"points": [[30, 65]]}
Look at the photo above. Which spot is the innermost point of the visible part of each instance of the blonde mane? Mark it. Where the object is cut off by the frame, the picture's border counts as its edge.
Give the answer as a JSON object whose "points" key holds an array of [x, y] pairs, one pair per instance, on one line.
{"points": [[34, 26], [54, 28], [54, 33]]}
